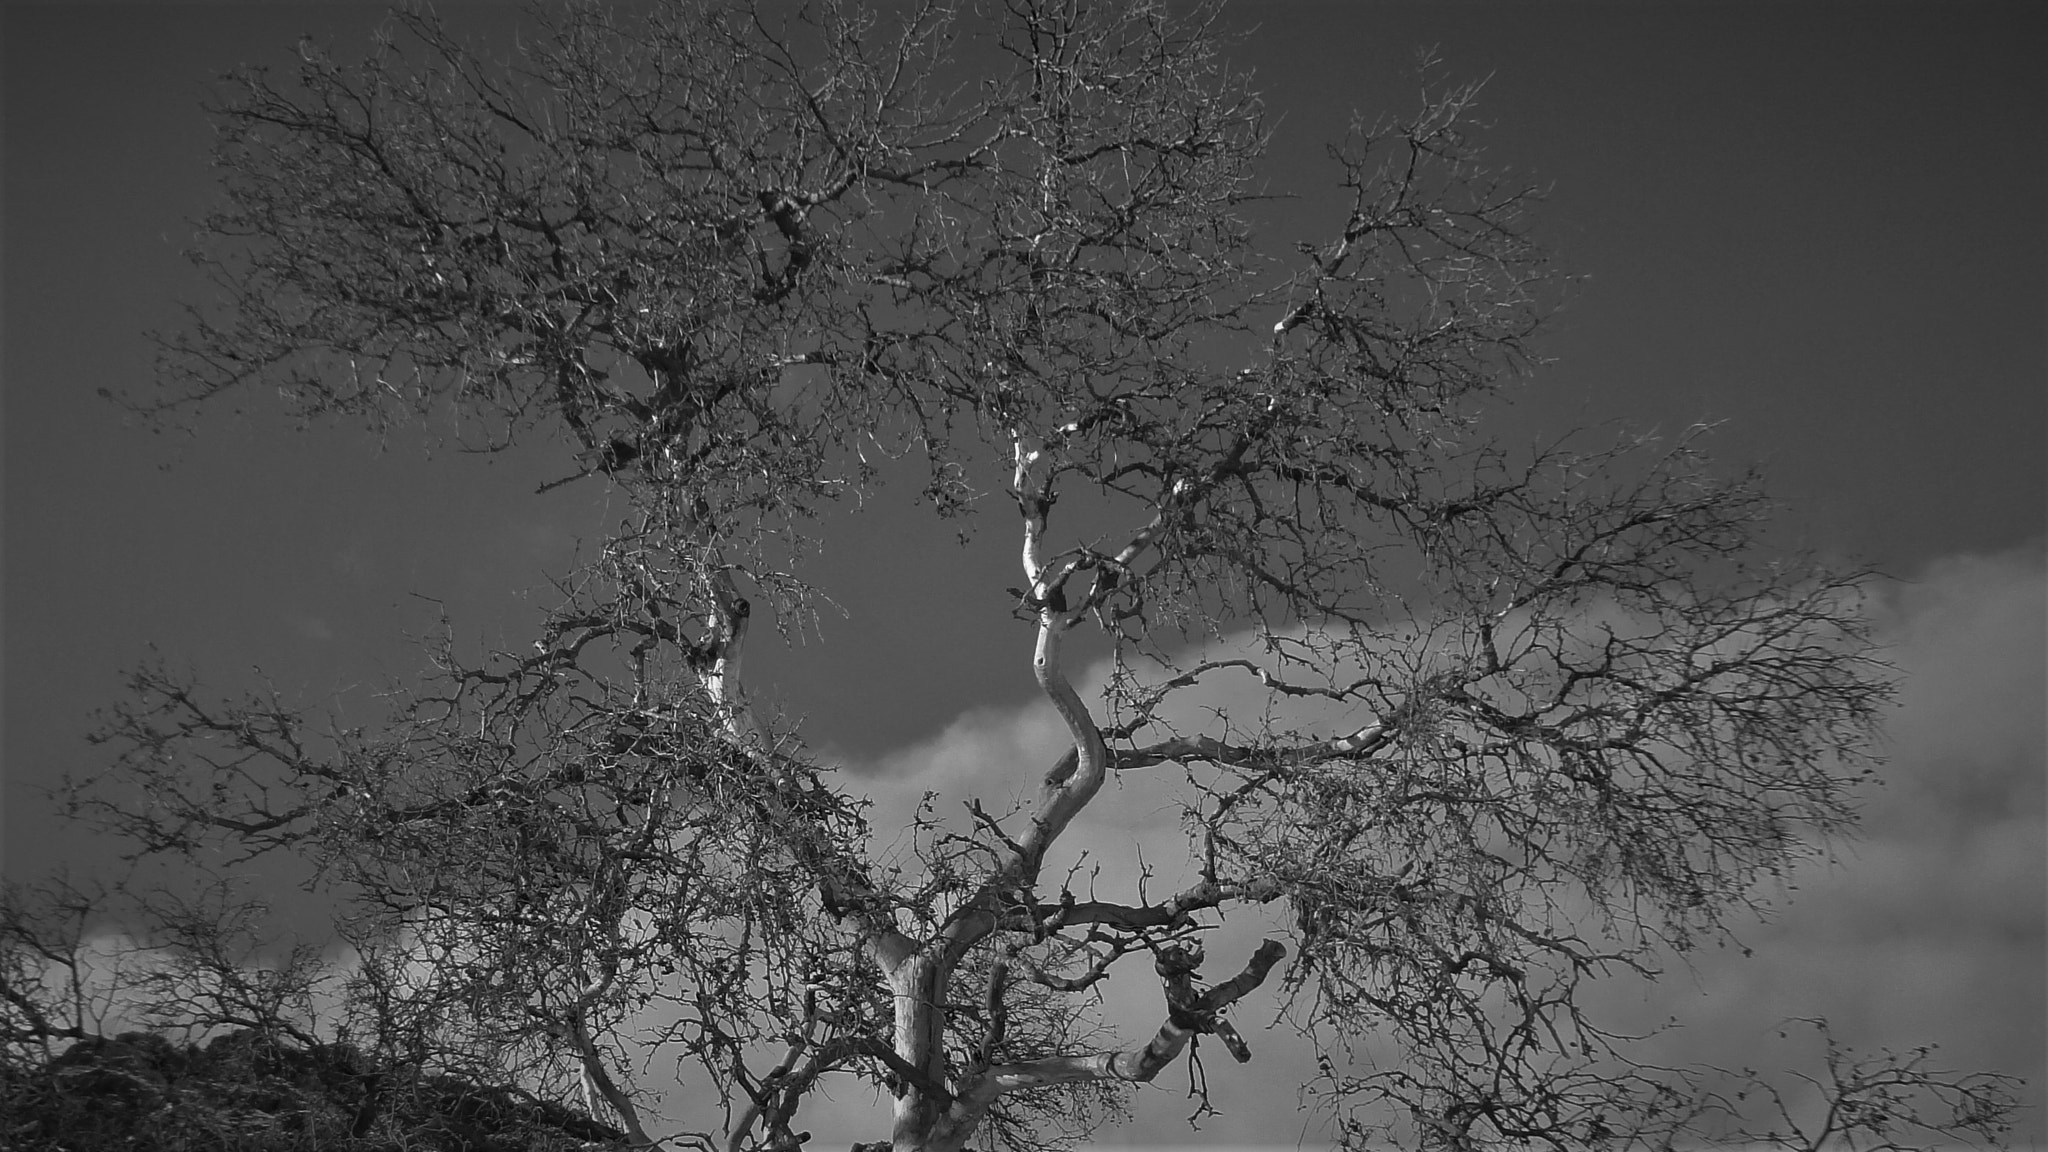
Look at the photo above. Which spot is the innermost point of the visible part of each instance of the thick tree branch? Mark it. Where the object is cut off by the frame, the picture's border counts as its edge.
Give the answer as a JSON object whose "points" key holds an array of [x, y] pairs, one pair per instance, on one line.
{"points": [[1207, 749], [599, 1078]]}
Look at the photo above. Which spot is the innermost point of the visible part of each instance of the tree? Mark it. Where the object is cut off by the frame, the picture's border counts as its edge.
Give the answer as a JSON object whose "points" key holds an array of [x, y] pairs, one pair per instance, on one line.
{"points": [[262, 1082], [1535, 715]]}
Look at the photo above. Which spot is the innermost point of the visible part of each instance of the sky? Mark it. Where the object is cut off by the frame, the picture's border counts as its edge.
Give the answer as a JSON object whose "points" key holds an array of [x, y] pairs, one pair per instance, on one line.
{"points": [[1824, 226]]}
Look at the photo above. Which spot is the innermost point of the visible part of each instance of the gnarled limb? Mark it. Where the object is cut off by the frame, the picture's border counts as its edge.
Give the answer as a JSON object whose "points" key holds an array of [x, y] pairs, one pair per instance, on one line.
{"points": [[597, 1079], [1189, 1014], [1061, 795], [1358, 745]]}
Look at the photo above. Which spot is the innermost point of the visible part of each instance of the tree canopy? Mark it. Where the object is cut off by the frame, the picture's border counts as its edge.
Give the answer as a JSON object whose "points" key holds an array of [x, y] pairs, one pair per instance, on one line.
{"points": [[1533, 714]]}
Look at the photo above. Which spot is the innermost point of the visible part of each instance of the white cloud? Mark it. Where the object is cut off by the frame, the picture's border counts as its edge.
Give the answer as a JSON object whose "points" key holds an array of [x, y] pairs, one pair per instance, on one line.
{"points": [[1929, 928]]}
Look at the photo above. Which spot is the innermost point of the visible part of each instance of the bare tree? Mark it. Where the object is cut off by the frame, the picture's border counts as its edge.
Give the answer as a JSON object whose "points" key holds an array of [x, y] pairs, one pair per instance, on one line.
{"points": [[51, 989], [1536, 715]]}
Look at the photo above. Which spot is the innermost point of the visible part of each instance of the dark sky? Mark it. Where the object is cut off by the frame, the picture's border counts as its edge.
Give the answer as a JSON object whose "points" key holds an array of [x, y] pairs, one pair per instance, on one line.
{"points": [[1822, 224]]}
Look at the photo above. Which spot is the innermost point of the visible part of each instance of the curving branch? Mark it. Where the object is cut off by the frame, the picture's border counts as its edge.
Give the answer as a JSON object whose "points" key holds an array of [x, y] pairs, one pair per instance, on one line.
{"points": [[597, 1078]]}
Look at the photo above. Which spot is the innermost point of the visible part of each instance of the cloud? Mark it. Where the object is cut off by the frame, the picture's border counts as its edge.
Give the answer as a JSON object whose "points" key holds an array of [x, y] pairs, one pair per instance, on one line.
{"points": [[1929, 928], [112, 981], [1969, 636], [96, 982]]}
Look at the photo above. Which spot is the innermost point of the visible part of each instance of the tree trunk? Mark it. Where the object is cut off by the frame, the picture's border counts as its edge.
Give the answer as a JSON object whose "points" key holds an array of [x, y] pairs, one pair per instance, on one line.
{"points": [[921, 1100]]}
